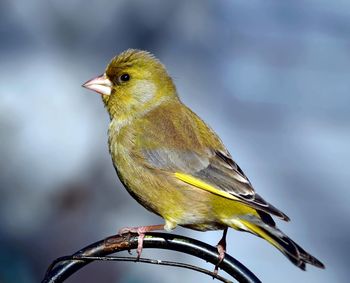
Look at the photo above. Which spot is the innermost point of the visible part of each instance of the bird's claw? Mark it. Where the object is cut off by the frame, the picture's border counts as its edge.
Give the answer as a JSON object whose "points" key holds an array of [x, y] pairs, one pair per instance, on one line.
{"points": [[221, 250], [221, 247], [141, 232]]}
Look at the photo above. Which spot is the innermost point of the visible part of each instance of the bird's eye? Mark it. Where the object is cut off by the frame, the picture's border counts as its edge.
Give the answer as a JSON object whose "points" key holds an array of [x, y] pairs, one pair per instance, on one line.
{"points": [[125, 77]]}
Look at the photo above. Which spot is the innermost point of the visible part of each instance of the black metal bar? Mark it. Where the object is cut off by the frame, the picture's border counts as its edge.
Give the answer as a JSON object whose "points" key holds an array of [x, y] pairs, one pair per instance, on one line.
{"points": [[62, 268], [150, 261]]}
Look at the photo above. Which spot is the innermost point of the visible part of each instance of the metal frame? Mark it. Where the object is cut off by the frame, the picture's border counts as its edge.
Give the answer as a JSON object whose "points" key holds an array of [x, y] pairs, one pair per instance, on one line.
{"points": [[64, 267]]}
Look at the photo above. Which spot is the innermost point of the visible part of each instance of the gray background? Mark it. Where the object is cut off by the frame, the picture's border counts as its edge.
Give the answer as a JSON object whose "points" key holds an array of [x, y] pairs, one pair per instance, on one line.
{"points": [[271, 77]]}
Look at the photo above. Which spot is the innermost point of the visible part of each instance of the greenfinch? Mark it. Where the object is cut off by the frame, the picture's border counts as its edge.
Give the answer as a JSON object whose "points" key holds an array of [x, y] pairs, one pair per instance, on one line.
{"points": [[174, 164]]}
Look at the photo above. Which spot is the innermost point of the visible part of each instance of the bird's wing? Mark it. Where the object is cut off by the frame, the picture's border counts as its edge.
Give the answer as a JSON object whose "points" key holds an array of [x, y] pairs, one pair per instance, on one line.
{"points": [[214, 172], [175, 140]]}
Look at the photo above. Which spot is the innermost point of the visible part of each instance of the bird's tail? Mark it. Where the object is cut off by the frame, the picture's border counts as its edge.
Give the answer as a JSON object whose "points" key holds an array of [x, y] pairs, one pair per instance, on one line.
{"points": [[282, 242]]}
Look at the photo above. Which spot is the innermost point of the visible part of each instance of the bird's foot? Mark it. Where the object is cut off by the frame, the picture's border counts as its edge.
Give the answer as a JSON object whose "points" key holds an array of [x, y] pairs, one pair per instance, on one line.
{"points": [[221, 247], [141, 231]]}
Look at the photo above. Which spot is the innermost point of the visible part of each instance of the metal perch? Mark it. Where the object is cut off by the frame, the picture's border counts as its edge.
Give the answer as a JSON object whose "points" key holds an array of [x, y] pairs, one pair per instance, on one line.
{"points": [[64, 267]]}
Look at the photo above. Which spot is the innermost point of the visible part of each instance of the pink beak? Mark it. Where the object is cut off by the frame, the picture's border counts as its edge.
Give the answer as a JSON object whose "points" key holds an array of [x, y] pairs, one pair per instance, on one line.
{"points": [[101, 85]]}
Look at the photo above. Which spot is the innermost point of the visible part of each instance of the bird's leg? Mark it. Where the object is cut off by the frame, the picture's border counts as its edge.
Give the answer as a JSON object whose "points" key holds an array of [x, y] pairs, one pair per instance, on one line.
{"points": [[141, 231], [221, 246]]}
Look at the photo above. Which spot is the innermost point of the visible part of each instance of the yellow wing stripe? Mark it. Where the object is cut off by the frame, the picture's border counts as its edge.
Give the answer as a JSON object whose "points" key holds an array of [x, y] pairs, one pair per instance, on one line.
{"points": [[202, 185], [260, 232]]}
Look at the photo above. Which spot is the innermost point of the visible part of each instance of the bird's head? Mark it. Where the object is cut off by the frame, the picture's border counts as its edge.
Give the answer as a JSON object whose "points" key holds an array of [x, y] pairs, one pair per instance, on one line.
{"points": [[134, 82]]}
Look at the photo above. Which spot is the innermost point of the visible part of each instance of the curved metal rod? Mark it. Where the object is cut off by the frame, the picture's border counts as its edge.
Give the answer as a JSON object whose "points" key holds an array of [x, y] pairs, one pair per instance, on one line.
{"points": [[145, 260], [62, 268]]}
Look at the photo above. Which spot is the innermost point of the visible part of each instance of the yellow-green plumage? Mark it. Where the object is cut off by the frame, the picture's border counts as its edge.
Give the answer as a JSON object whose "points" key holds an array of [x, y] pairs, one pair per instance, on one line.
{"points": [[158, 189], [173, 164]]}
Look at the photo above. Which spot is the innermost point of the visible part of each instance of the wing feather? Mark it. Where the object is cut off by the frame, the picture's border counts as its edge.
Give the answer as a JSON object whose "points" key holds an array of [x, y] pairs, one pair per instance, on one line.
{"points": [[215, 172], [174, 139]]}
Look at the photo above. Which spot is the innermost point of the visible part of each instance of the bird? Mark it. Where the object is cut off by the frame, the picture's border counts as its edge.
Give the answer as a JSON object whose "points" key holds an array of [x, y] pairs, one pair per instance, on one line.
{"points": [[172, 163]]}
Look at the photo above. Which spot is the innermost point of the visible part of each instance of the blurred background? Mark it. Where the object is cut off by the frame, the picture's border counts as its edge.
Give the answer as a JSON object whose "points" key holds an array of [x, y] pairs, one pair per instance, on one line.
{"points": [[271, 77]]}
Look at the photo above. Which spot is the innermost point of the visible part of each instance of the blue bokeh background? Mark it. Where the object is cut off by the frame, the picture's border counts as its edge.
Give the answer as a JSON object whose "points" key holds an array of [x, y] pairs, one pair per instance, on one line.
{"points": [[271, 77]]}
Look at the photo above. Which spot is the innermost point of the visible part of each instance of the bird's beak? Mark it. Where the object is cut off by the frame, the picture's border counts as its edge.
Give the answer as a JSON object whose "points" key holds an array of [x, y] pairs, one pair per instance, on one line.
{"points": [[101, 85]]}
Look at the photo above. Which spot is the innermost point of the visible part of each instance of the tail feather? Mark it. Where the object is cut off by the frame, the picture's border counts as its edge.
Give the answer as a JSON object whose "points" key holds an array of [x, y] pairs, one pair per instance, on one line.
{"points": [[282, 242]]}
